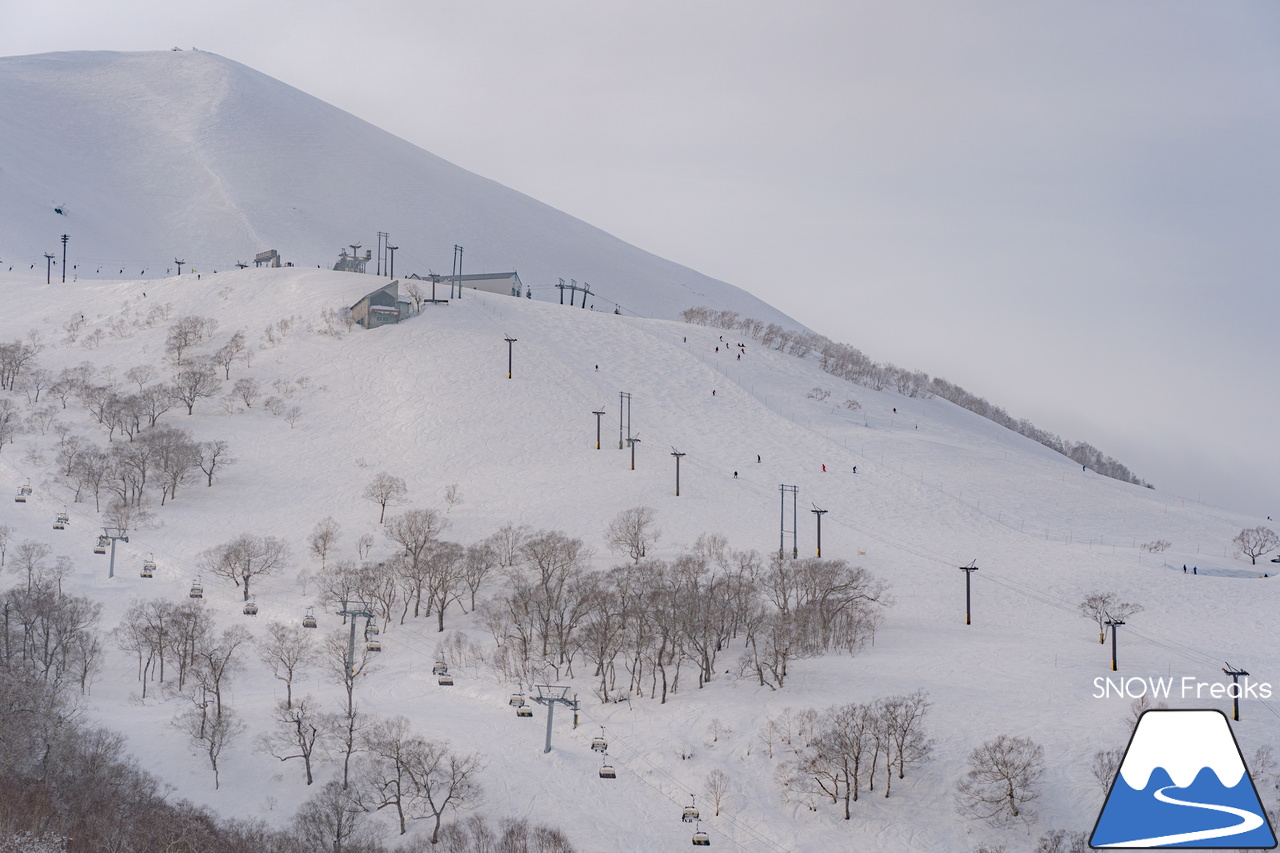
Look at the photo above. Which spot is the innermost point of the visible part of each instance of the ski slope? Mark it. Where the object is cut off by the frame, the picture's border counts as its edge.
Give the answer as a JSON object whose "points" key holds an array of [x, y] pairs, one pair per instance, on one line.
{"points": [[429, 401]]}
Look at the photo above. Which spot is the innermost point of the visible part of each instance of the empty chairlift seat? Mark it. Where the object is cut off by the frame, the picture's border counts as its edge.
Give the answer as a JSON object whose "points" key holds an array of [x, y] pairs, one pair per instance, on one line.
{"points": [[516, 700], [309, 621], [61, 522], [440, 668], [24, 492], [148, 568], [524, 711], [250, 608], [197, 589], [101, 547]]}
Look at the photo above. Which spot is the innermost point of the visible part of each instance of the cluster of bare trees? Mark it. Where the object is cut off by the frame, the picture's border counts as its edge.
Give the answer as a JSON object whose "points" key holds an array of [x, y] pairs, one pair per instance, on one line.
{"points": [[424, 574], [850, 363], [47, 634], [162, 459], [653, 619], [844, 747]]}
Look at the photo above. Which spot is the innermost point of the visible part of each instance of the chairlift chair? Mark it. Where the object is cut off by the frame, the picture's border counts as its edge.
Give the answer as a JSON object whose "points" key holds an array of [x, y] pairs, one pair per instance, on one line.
{"points": [[101, 547], [524, 711], [250, 608], [701, 839], [690, 812], [21, 496], [516, 700], [372, 646], [440, 668], [309, 621], [445, 680], [370, 628], [598, 743], [606, 769], [61, 522], [197, 589], [148, 568]]}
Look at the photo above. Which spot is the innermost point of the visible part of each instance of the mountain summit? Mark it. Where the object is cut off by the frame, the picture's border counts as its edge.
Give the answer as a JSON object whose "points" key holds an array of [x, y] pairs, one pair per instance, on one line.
{"points": [[146, 158]]}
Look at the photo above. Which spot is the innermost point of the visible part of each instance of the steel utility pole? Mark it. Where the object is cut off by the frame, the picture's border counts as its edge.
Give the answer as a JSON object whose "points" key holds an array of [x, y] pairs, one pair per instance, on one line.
{"points": [[1113, 624], [391, 250], [677, 454], [354, 610], [64, 258], [624, 409], [382, 242], [818, 513], [633, 442], [457, 266], [509, 341], [1235, 698], [551, 696], [48, 268], [561, 286], [586, 291], [179, 264], [794, 491], [599, 414], [968, 573], [114, 533]]}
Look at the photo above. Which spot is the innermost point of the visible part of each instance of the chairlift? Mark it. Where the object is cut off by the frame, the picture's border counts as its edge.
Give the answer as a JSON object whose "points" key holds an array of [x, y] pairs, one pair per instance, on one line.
{"points": [[148, 568], [21, 496], [370, 628], [606, 769], [598, 743], [309, 621], [101, 547], [197, 589], [440, 668], [372, 646], [700, 838], [250, 608], [690, 812], [61, 522], [445, 680], [516, 700], [524, 711]]}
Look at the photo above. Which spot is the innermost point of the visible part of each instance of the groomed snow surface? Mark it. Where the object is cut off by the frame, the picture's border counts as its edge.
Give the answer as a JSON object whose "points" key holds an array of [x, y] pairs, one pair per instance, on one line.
{"points": [[428, 400]]}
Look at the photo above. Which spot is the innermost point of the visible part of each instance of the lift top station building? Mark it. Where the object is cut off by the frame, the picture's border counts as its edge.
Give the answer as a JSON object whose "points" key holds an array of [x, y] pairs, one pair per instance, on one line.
{"points": [[382, 307], [505, 283]]}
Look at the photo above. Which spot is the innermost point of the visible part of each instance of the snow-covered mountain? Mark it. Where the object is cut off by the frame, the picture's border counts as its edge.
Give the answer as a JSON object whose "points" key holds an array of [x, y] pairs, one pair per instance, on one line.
{"points": [[152, 156], [155, 157]]}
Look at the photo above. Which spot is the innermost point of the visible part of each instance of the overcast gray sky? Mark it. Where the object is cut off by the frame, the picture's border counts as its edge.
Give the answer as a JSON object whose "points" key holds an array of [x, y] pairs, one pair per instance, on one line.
{"points": [[1070, 208]]}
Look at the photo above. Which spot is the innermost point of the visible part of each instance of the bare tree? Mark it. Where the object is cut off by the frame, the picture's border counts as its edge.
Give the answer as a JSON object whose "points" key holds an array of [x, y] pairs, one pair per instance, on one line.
{"points": [[229, 352], [507, 542], [1002, 782], [245, 558], [299, 732], [716, 789], [287, 651], [5, 532], [477, 564], [1254, 542], [246, 390], [333, 820], [1063, 841], [415, 532], [214, 455], [443, 781], [632, 532], [1104, 766], [186, 333], [384, 490], [452, 496], [28, 559], [322, 539], [1102, 607], [192, 383]]}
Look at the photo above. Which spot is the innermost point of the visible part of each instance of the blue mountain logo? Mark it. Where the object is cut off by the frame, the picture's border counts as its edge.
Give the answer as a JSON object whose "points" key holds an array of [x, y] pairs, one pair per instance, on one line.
{"points": [[1183, 783]]}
